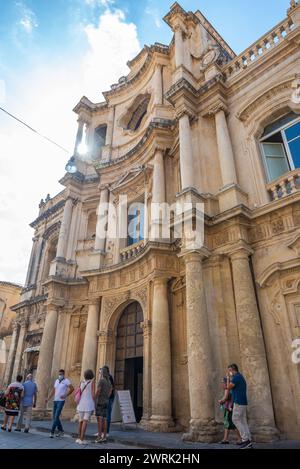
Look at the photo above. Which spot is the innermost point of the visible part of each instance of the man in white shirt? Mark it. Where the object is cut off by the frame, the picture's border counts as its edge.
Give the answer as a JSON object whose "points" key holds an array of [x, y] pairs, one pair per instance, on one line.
{"points": [[61, 390]]}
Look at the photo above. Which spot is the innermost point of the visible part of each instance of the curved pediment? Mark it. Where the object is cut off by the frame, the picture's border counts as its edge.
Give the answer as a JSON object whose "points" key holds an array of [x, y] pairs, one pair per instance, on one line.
{"points": [[267, 98]]}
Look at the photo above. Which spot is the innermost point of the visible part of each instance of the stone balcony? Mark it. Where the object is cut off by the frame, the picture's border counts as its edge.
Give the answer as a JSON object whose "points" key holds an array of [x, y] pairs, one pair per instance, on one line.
{"points": [[132, 251], [260, 48], [285, 185]]}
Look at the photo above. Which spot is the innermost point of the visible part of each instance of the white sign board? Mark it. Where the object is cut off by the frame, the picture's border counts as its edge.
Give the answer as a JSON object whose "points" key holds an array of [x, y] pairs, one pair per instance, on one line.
{"points": [[122, 410]]}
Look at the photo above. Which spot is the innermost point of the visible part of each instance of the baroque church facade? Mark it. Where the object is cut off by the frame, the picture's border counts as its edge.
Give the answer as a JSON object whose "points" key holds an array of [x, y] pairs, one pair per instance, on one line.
{"points": [[192, 121]]}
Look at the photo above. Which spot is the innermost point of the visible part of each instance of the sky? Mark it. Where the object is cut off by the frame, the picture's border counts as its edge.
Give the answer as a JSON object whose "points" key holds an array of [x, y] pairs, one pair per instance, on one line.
{"points": [[52, 52]]}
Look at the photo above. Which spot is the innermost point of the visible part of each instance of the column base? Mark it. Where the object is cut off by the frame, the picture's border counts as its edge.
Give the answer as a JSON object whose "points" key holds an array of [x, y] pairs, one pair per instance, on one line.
{"points": [[231, 196], [158, 423], [202, 431], [41, 414], [264, 433]]}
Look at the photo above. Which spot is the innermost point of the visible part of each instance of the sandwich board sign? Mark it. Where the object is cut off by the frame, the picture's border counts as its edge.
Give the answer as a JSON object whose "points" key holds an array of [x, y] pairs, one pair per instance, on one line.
{"points": [[122, 410]]}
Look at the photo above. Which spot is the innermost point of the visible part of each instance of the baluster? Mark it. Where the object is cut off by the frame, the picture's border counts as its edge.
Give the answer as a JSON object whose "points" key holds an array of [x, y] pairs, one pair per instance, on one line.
{"points": [[274, 193], [283, 186], [292, 182]]}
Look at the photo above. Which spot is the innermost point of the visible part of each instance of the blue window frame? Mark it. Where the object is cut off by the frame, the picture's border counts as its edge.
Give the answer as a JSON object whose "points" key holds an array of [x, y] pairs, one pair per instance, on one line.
{"points": [[135, 223], [281, 146]]}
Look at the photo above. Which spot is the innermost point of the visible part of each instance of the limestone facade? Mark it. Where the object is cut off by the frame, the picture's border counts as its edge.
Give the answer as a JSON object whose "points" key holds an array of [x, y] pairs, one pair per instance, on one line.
{"points": [[191, 119], [9, 296]]}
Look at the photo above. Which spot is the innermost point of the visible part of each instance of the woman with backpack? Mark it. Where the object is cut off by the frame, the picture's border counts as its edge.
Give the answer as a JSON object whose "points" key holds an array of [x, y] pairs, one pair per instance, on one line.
{"points": [[85, 399], [13, 397]]}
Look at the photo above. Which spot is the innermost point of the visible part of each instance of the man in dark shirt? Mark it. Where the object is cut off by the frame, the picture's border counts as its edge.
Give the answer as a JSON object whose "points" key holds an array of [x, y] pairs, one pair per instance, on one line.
{"points": [[238, 386]]}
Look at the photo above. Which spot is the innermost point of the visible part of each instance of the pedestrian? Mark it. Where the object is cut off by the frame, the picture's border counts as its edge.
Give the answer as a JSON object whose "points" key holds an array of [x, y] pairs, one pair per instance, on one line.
{"points": [[86, 405], [103, 393], [238, 386], [13, 396], [61, 390], [27, 404], [110, 401], [226, 404]]}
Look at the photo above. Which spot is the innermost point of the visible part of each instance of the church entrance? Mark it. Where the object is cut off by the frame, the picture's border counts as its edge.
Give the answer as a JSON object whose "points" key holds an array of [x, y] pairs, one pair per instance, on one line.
{"points": [[129, 355]]}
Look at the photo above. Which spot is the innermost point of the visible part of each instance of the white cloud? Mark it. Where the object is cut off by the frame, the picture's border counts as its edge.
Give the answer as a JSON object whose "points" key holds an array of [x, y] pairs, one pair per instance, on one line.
{"points": [[112, 43], [28, 20], [104, 3], [154, 13], [31, 167]]}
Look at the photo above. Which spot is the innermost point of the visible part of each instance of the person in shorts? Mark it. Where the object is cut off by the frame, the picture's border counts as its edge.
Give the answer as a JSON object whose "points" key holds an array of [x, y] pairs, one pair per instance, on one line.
{"points": [[103, 393], [86, 405]]}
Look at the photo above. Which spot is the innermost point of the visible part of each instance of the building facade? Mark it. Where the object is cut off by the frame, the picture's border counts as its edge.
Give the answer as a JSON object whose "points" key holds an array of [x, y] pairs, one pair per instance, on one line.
{"points": [[192, 122], [9, 296]]}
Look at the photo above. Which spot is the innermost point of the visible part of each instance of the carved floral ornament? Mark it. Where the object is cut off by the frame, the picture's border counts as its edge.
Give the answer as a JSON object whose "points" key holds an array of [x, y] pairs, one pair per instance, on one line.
{"points": [[282, 96], [114, 305]]}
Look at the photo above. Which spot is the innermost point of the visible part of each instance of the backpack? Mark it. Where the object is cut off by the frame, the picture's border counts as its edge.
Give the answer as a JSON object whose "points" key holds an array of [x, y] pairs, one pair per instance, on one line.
{"points": [[78, 392]]}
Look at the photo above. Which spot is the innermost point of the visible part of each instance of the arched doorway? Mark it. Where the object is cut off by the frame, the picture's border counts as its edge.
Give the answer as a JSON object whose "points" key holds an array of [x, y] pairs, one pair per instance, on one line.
{"points": [[129, 355]]}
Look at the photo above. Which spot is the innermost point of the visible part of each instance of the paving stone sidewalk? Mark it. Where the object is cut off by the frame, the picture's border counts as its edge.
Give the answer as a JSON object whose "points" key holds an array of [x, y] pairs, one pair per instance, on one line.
{"points": [[138, 438]]}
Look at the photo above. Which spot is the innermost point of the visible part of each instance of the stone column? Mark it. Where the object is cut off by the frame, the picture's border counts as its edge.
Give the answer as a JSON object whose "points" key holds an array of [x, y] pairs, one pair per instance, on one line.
{"points": [[11, 355], [102, 220], [158, 85], [58, 345], [90, 347], [226, 157], [253, 355], [20, 347], [179, 47], [110, 126], [161, 358], [159, 190], [186, 153], [32, 261], [64, 229], [200, 365], [43, 375], [79, 134]]}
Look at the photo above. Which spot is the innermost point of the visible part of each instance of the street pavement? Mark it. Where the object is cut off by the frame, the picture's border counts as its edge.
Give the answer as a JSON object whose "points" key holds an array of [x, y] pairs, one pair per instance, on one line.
{"points": [[120, 438], [40, 440]]}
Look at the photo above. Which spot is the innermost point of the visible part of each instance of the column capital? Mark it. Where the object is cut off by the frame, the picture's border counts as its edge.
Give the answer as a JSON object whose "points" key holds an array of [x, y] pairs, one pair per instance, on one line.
{"points": [[103, 187], [240, 251], [183, 111], [161, 280], [215, 107], [104, 336], [94, 302], [195, 255]]}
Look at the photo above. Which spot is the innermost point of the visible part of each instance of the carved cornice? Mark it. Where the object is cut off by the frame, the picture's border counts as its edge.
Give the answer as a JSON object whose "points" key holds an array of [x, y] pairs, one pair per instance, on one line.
{"points": [[32, 301], [10, 284], [48, 213], [124, 82], [155, 125]]}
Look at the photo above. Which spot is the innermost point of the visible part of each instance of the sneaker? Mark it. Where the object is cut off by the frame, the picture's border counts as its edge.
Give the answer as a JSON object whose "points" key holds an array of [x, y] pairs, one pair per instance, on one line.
{"points": [[99, 440], [246, 445], [26, 430], [60, 434], [78, 441], [17, 429], [51, 435]]}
